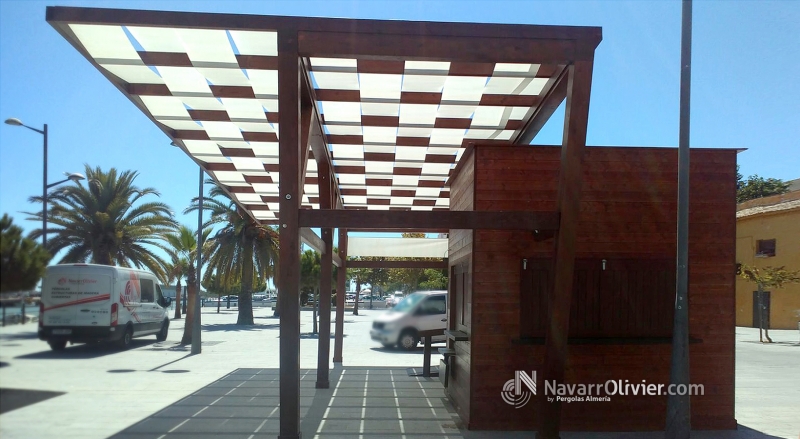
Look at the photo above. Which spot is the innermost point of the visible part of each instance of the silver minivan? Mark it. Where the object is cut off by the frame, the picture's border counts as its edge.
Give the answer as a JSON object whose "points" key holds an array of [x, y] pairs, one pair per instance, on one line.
{"points": [[420, 311]]}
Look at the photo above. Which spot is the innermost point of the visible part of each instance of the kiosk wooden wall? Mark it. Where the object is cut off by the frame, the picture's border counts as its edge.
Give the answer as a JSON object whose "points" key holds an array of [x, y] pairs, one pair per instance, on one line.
{"points": [[628, 213]]}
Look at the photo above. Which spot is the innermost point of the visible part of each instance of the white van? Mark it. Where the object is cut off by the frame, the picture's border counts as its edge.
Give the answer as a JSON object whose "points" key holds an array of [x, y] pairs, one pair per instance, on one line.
{"points": [[88, 303], [420, 311]]}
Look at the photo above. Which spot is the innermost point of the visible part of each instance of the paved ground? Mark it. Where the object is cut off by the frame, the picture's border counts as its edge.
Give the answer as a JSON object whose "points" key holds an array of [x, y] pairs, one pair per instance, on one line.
{"points": [[158, 388]]}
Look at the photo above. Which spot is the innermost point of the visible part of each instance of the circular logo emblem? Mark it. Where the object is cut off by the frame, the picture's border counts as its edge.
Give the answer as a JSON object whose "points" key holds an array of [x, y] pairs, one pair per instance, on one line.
{"points": [[511, 397], [128, 296]]}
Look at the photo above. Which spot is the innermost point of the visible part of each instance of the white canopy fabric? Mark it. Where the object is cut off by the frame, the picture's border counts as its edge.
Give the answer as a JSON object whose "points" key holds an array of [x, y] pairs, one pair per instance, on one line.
{"points": [[397, 247]]}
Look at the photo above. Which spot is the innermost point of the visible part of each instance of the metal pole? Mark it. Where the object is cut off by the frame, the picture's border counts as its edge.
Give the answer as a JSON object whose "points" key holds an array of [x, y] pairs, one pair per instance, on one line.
{"points": [[196, 349], [679, 421], [44, 190]]}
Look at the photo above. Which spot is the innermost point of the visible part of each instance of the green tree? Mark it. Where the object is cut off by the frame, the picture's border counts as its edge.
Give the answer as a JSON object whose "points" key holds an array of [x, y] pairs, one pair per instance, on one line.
{"points": [[412, 279], [241, 251], [767, 277], [183, 251], [22, 260], [433, 279], [366, 276], [758, 187], [106, 223], [310, 267]]}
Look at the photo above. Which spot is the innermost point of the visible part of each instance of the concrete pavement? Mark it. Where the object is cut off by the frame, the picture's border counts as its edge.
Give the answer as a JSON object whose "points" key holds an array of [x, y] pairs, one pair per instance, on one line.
{"points": [[158, 388]]}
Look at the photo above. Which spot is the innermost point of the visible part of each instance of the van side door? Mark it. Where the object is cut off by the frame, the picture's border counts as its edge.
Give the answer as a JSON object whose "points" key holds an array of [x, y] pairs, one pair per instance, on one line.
{"points": [[150, 311], [432, 313]]}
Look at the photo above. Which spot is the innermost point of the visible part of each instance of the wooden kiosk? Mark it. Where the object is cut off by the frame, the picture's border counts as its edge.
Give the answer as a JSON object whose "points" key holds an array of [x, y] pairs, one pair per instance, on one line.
{"points": [[620, 318]]}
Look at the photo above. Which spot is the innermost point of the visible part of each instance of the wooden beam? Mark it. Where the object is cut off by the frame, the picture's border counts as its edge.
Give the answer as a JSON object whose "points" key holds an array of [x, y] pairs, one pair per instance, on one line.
{"points": [[437, 48], [569, 194], [441, 264], [306, 114], [311, 239], [556, 91], [376, 219], [399, 28], [317, 140], [325, 290], [408, 230], [326, 272], [290, 196], [341, 280]]}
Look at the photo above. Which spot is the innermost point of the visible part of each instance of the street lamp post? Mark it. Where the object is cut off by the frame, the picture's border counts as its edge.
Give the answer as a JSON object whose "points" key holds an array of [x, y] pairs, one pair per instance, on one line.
{"points": [[70, 177]]}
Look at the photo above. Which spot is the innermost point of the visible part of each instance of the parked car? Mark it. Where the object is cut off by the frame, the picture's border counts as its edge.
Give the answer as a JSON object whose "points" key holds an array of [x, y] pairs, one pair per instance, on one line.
{"points": [[234, 300], [87, 303], [420, 311], [394, 299]]}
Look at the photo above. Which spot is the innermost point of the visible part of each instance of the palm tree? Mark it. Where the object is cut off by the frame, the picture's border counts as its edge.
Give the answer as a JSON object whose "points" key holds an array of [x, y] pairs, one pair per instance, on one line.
{"points": [[184, 252], [176, 271], [102, 223], [241, 251]]}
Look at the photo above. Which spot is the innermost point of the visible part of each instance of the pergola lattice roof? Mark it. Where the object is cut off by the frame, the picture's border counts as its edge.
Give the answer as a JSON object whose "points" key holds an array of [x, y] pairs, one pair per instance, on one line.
{"points": [[395, 126], [386, 110]]}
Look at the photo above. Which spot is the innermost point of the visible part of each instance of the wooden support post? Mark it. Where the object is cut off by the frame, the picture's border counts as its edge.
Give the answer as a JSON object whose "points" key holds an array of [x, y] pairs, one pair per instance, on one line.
{"points": [[569, 191], [341, 280], [290, 165], [326, 273], [426, 357]]}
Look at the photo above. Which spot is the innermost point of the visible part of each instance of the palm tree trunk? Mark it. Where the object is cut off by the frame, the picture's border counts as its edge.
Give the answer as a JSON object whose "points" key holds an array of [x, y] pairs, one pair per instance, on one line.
{"points": [[246, 295], [191, 296], [178, 300]]}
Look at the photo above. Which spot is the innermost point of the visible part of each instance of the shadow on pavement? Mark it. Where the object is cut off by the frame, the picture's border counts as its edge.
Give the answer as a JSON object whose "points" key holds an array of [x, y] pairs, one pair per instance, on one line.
{"points": [[311, 335], [12, 399], [82, 351], [19, 336], [368, 402], [233, 327], [395, 350]]}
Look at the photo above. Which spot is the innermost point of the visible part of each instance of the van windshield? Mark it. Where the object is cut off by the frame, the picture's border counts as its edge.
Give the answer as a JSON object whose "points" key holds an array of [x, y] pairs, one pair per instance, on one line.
{"points": [[409, 302]]}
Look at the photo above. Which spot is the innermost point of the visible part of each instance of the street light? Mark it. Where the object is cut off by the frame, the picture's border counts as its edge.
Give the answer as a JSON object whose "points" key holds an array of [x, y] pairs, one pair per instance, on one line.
{"points": [[70, 177]]}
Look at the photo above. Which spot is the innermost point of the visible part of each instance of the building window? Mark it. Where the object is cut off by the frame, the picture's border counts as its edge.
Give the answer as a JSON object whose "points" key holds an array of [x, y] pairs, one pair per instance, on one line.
{"points": [[765, 248]]}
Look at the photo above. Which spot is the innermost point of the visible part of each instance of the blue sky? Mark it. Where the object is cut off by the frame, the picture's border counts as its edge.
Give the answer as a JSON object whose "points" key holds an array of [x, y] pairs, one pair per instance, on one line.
{"points": [[745, 92]]}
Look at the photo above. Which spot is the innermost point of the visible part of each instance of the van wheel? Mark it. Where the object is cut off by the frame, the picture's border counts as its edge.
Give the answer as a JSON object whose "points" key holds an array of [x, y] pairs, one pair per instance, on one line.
{"points": [[162, 334], [57, 345], [408, 340], [127, 338]]}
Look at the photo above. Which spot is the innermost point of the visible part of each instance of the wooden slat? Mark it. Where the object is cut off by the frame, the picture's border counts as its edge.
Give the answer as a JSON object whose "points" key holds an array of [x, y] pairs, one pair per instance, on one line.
{"points": [[436, 220], [441, 264]]}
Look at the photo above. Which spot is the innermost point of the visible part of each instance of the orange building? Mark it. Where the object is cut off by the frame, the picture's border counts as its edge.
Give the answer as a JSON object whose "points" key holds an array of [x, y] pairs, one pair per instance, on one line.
{"points": [[768, 234]]}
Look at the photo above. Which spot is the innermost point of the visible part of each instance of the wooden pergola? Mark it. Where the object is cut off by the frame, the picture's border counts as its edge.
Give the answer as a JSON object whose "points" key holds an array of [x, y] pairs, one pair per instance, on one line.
{"points": [[362, 123]]}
